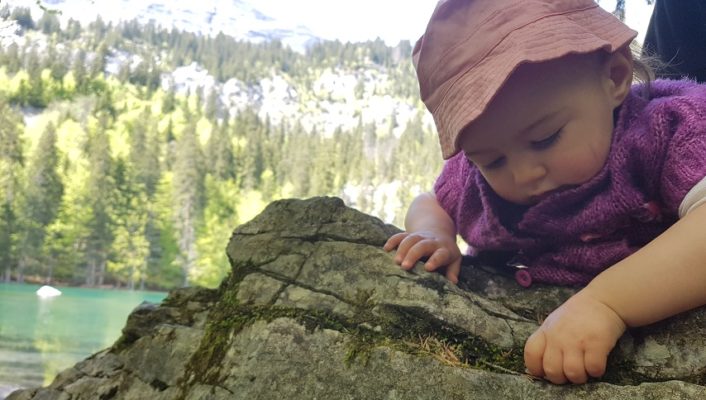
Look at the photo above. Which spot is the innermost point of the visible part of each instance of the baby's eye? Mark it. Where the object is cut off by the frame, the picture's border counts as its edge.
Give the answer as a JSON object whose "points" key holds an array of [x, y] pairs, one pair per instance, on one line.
{"points": [[497, 163], [547, 142]]}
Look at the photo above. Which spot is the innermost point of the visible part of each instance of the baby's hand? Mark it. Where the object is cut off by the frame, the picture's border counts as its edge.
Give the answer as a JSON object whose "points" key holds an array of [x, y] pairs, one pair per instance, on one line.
{"points": [[574, 341], [412, 246]]}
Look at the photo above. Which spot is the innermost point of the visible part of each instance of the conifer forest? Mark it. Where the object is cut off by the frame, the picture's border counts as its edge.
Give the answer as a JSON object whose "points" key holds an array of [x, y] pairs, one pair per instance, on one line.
{"points": [[110, 176]]}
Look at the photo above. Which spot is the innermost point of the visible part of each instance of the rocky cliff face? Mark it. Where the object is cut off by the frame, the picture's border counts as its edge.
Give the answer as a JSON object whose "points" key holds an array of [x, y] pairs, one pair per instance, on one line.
{"points": [[314, 308]]}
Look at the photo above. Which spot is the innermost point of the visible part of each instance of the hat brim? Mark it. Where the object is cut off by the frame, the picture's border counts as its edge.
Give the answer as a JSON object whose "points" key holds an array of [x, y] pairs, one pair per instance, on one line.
{"points": [[467, 95]]}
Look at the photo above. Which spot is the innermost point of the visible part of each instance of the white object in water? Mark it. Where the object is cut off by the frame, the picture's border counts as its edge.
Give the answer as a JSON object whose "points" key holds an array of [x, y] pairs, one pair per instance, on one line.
{"points": [[48, 291]]}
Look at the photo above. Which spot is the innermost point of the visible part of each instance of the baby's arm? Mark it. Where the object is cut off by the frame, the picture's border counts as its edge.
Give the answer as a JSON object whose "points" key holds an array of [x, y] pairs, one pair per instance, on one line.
{"points": [[664, 278], [430, 233]]}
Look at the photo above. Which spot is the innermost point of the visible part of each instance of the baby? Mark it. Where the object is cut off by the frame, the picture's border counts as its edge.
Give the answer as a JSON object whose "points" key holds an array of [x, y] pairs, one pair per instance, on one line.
{"points": [[554, 157]]}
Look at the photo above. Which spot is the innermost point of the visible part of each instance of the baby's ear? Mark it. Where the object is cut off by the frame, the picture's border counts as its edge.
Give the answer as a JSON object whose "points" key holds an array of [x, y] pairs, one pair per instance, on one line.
{"points": [[617, 74]]}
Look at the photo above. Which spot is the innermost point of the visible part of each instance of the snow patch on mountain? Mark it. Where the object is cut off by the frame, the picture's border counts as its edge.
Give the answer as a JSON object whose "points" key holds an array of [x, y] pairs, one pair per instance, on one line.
{"points": [[335, 98], [236, 18], [330, 102]]}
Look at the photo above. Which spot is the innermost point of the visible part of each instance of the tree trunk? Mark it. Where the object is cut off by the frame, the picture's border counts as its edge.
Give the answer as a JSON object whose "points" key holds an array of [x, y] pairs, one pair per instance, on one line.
{"points": [[20, 274], [50, 272], [101, 272], [131, 280], [91, 275]]}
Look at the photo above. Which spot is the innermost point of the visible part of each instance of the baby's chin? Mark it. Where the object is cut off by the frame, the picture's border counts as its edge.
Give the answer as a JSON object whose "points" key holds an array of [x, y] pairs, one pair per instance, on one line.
{"points": [[538, 198]]}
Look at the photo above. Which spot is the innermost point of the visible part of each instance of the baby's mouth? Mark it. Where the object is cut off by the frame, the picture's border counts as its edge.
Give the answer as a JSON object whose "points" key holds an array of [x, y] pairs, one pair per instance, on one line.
{"points": [[539, 197]]}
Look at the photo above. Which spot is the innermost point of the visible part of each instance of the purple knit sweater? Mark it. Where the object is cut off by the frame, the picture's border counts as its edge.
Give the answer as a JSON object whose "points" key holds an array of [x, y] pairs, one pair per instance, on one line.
{"points": [[658, 153]]}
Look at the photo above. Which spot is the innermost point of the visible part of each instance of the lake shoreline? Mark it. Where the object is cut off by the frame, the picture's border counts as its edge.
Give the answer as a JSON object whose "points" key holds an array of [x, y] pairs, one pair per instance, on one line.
{"points": [[60, 285], [40, 337]]}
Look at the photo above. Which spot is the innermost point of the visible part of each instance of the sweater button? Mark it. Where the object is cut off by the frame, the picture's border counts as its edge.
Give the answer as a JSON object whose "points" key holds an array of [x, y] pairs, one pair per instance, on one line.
{"points": [[589, 237], [523, 277], [653, 210]]}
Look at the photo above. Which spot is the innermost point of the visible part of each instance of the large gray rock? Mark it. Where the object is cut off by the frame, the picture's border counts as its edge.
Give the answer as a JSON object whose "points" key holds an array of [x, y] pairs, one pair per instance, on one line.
{"points": [[314, 308]]}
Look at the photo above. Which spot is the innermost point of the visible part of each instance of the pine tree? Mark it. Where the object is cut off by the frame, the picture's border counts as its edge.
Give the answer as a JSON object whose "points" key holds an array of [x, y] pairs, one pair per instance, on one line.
{"points": [[219, 153], [212, 104], [136, 182], [12, 57], [297, 160], [169, 101], [11, 157], [59, 65], [323, 175], [164, 261], [49, 23], [277, 144], [11, 167], [41, 199], [8, 228], [100, 192], [220, 217], [188, 197], [23, 16], [251, 158], [170, 145], [130, 247], [99, 61], [144, 152], [79, 72], [72, 30]]}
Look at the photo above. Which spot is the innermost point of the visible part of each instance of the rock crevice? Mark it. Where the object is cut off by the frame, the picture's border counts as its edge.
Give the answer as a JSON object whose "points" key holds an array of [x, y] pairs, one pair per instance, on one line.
{"points": [[314, 308]]}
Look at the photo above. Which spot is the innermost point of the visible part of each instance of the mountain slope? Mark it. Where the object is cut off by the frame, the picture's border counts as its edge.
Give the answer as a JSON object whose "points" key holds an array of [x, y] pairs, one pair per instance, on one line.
{"points": [[236, 18]]}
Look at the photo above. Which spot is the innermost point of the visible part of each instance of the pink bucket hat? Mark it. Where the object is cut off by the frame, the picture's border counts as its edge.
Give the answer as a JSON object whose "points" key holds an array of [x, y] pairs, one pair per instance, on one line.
{"points": [[471, 47]]}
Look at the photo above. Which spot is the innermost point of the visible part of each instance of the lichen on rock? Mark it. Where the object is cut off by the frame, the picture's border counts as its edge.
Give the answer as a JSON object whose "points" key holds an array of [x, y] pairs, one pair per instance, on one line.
{"points": [[314, 308]]}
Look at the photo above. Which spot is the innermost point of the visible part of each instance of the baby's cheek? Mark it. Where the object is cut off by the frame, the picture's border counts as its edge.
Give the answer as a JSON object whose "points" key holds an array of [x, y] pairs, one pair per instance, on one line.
{"points": [[577, 167], [504, 186]]}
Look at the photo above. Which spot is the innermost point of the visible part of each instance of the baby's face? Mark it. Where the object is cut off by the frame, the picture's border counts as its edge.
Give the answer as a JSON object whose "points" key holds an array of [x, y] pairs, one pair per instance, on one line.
{"points": [[548, 129]]}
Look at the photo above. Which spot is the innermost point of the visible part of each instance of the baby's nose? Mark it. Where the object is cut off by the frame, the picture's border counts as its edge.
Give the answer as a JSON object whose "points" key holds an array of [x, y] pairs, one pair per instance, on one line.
{"points": [[527, 173]]}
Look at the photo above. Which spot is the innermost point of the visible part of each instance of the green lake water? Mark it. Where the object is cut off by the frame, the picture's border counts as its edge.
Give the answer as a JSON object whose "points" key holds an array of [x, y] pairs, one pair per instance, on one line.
{"points": [[40, 337]]}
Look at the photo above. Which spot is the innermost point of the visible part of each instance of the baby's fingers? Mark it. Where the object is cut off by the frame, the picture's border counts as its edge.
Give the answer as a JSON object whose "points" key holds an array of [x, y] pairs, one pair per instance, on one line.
{"points": [[595, 362], [417, 250], [553, 365], [394, 241], [453, 271], [574, 368], [534, 353], [443, 257]]}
